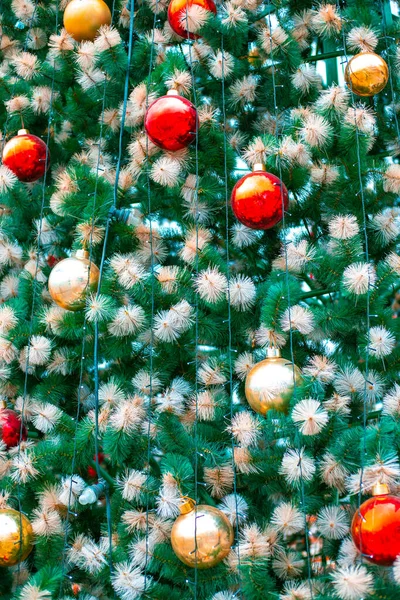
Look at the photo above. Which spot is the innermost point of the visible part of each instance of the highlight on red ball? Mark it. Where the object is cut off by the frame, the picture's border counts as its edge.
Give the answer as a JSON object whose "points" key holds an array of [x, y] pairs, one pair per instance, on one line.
{"points": [[179, 15], [258, 199], [171, 122], [27, 156]]}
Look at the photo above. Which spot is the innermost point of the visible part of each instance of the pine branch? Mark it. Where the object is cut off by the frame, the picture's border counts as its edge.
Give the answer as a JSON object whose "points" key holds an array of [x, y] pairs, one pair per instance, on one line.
{"points": [[317, 293]]}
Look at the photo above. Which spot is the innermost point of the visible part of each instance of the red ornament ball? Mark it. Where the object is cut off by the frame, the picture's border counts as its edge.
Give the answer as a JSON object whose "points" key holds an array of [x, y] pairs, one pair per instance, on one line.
{"points": [[91, 471], [257, 199], [177, 15], [10, 428], [52, 260], [25, 156], [171, 122], [376, 529]]}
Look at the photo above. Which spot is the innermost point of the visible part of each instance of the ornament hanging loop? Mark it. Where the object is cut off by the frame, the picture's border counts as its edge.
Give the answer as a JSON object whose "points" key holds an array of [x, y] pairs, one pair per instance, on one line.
{"points": [[273, 352], [380, 489], [187, 505]]}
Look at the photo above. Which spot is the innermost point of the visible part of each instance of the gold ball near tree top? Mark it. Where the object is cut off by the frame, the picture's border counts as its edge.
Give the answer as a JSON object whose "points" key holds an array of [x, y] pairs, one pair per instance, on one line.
{"points": [[270, 383], [201, 536], [71, 279], [16, 537], [83, 18], [366, 74]]}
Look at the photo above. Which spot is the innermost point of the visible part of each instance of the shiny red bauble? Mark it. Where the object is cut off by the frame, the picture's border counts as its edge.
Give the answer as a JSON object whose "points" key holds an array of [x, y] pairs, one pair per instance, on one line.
{"points": [[25, 156], [376, 529], [171, 122], [10, 428], [257, 199], [177, 15]]}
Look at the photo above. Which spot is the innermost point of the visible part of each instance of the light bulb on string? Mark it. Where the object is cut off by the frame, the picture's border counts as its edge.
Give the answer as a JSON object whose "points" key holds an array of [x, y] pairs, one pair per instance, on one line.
{"points": [[92, 493]]}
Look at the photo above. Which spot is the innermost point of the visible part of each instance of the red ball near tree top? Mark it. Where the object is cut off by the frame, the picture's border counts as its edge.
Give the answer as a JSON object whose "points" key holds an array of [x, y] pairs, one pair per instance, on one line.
{"points": [[177, 15], [376, 528], [25, 156], [257, 199], [171, 122], [10, 428]]}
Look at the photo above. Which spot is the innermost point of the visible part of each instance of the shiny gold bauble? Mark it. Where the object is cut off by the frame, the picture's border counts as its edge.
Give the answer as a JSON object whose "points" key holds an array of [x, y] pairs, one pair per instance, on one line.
{"points": [[205, 528], [270, 383], [14, 529], [70, 281], [366, 74], [83, 18]]}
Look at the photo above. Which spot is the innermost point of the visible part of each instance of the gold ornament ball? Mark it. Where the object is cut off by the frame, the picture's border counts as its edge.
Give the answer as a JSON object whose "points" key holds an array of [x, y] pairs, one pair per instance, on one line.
{"points": [[214, 535], [254, 57], [12, 551], [366, 74], [70, 281], [83, 18], [270, 383]]}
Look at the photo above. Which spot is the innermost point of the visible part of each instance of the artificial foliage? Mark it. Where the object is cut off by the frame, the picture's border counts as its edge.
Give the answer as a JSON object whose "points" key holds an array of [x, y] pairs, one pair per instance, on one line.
{"points": [[139, 398]]}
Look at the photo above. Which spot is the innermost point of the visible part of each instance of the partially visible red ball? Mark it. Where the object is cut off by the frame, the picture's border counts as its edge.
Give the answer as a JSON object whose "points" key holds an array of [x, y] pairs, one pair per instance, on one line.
{"points": [[177, 15], [92, 471], [52, 260], [171, 122], [257, 200], [10, 428], [376, 529], [76, 589], [25, 156]]}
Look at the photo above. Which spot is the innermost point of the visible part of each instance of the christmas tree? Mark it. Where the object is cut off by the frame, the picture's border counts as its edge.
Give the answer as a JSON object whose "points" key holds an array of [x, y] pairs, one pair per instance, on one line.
{"points": [[199, 281]]}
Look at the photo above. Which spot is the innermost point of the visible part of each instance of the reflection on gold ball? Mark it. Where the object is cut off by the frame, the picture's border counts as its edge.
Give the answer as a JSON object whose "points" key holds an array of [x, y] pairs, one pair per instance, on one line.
{"points": [[214, 535], [83, 18], [11, 550], [70, 281], [270, 383], [254, 57], [366, 74]]}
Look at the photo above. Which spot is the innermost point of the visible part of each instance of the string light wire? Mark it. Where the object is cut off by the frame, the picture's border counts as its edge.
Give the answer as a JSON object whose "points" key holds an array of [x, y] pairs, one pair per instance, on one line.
{"points": [[24, 47], [285, 244], [389, 63], [196, 335], [82, 358], [152, 301], [84, 329], [34, 290], [368, 295], [227, 255], [101, 272]]}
